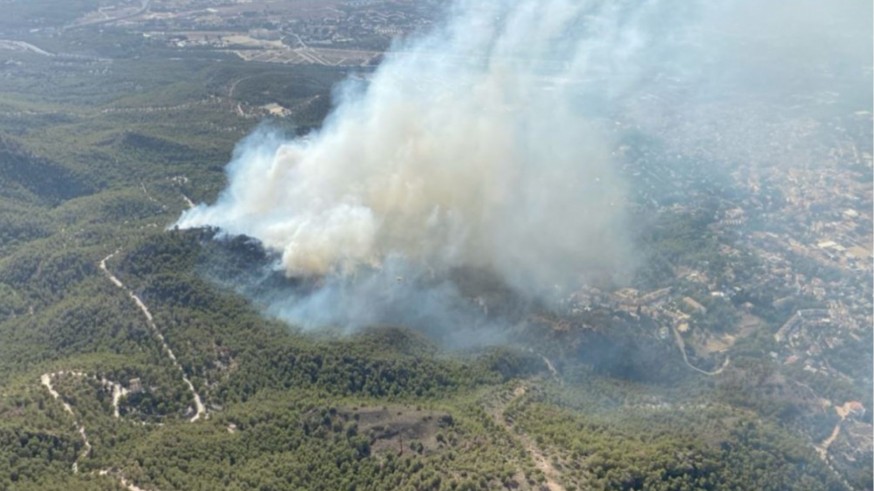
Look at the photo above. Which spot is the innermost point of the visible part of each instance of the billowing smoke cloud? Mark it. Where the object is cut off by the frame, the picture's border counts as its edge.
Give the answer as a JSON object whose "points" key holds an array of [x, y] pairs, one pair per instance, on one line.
{"points": [[466, 149], [490, 143]]}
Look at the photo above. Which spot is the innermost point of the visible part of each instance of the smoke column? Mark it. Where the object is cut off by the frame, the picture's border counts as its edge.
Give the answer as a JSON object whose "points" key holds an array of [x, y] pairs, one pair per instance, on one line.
{"points": [[489, 143]]}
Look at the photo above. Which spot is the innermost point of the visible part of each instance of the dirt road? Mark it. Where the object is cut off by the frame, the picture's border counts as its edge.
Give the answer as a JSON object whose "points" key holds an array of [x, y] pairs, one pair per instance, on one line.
{"points": [[542, 462], [200, 409]]}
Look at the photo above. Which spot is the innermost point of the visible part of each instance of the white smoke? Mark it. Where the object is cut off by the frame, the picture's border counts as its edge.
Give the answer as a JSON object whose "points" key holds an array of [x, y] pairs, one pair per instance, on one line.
{"points": [[466, 149], [487, 143]]}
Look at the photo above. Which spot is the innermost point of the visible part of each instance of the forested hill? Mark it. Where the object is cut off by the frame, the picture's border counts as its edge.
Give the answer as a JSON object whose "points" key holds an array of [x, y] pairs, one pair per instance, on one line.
{"points": [[384, 409], [124, 364]]}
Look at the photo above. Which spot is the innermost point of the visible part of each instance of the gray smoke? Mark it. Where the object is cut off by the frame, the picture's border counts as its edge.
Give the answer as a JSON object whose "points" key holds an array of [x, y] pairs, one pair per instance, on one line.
{"points": [[490, 143]]}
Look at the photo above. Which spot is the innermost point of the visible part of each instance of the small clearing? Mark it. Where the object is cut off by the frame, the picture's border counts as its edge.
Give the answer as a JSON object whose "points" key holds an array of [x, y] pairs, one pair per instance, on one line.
{"points": [[394, 428]]}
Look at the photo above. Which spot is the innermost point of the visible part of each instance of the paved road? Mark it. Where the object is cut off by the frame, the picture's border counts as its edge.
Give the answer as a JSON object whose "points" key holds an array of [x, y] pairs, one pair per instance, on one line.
{"points": [[682, 346]]}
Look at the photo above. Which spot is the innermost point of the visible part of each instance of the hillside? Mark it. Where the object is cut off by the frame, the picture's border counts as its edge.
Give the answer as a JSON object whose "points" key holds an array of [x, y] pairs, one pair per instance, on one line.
{"points": [[137, 356]]}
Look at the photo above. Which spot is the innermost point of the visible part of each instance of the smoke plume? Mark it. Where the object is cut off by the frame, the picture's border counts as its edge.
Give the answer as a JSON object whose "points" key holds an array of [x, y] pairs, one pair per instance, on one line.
{"points": [[490, 143]]}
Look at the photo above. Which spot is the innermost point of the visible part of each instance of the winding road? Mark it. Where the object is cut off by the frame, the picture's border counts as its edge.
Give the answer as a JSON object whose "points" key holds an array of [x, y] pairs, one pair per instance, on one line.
{"points": [[822, 448], [200, 409], [118, 391], [46, 380], [682, 346]]}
